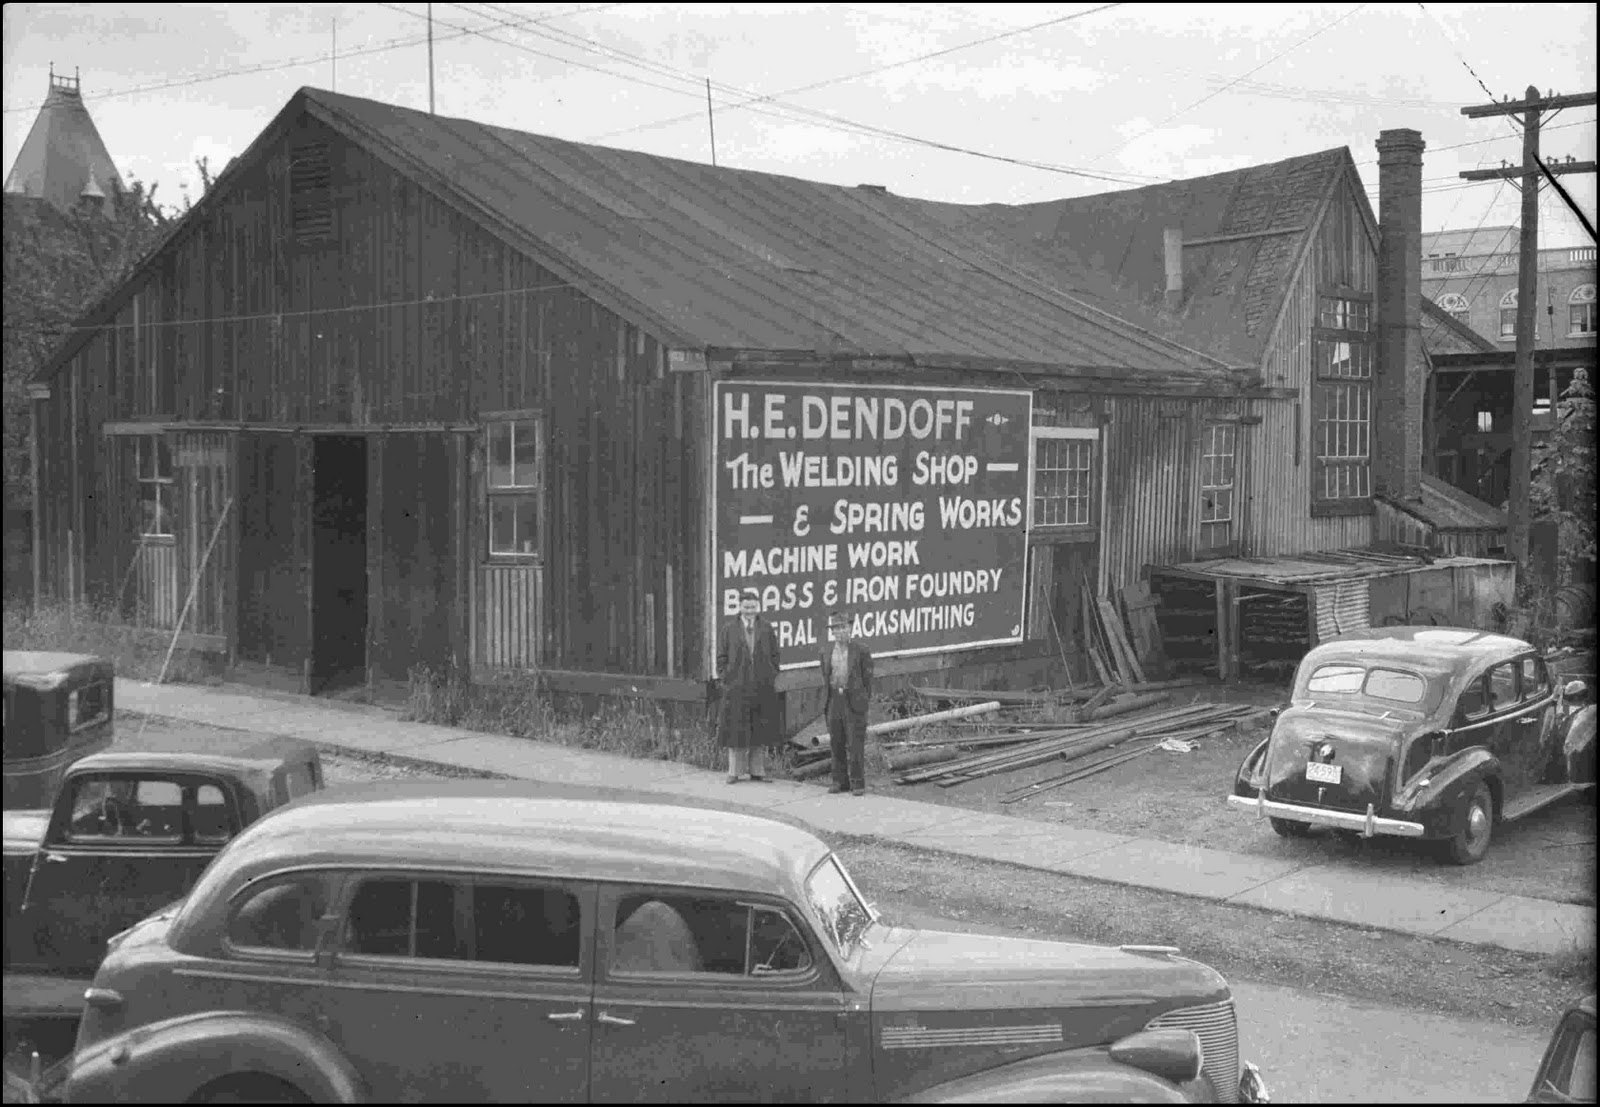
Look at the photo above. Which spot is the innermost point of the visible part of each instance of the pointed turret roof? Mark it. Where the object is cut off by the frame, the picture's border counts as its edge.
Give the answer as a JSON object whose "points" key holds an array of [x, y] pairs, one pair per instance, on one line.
{"points": [[63, 158]]}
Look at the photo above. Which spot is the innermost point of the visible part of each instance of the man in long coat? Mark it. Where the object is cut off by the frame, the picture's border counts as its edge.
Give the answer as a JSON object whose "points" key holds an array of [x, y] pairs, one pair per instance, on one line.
{"points": [[747, 667], [847, 679]]}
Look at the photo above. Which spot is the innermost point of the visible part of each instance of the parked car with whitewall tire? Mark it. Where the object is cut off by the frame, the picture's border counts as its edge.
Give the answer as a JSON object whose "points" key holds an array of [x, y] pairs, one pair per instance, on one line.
{"points": [[499, 941], [1434, 733]]}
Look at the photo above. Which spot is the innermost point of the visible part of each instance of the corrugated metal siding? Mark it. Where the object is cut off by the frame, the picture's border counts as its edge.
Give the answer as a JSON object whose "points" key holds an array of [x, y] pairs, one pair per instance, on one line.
{"points": [[1151, 448], [1342, 606]]}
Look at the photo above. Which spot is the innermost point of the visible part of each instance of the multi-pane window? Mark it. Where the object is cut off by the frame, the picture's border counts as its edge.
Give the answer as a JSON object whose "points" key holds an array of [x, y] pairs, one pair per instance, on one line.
{"points": [[1216, 485], [1508, 314], [1342, 436], [515, 481], [1581, 311], [1063, 477], [155, 486]]}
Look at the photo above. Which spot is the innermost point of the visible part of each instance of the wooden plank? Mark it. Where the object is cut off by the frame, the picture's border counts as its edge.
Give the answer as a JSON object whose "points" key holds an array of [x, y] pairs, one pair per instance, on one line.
{"points": [[1113, 625]]}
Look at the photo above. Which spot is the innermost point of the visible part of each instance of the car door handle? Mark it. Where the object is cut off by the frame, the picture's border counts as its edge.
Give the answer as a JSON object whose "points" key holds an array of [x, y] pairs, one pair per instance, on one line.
{"points": [[1531, 721], [613, 1020], [56, 858], [565, 1016]]}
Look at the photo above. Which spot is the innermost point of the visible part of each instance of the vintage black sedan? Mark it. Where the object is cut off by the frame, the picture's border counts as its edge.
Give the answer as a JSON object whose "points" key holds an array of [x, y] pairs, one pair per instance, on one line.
{"points": [[506, 942], [1437, 733]]}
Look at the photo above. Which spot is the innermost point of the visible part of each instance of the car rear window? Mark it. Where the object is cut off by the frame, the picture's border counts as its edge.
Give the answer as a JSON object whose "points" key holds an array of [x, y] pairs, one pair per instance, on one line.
{"points": [[1393, 685]]}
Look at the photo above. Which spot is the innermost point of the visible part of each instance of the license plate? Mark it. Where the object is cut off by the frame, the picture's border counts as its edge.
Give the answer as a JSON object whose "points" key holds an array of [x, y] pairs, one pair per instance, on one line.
{"points": [[1324, 774]]}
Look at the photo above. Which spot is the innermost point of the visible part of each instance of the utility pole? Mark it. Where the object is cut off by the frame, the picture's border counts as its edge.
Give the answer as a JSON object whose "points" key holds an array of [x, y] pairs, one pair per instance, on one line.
{"points": [[1532, 109]]}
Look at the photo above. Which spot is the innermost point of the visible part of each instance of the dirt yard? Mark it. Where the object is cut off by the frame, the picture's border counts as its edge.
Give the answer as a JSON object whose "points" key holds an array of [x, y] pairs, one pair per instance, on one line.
{"points": [[1182, 797]]}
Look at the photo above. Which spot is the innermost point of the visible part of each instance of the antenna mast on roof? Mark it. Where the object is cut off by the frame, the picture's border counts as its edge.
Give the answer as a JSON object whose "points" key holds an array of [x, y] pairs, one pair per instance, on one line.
{"points": [[430, 59]]}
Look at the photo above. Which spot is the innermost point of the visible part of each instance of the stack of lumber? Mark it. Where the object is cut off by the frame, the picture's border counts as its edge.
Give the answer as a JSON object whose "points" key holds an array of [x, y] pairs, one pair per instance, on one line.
{"points": [[1140, 723], [1122, 652]]}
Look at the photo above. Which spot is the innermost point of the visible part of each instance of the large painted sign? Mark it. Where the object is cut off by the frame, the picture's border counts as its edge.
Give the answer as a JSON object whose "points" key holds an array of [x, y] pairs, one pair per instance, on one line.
{"points": [[906, 506]]}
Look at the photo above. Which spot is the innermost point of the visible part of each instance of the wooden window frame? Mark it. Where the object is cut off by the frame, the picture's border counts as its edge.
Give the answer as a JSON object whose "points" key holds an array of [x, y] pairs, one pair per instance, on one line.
{"points": [[1222, 523], [1091, 435], [532, 494], [158, 483], [1581, 312], [1339, 385]]}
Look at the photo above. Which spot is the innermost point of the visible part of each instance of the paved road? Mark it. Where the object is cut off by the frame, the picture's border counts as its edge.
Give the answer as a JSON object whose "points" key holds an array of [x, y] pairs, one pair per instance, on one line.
{"points": [[1312, 1048]]}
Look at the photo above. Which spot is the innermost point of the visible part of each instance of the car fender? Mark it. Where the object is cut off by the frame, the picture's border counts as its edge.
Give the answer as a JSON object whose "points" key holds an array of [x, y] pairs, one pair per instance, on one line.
{"points": [[170, 1061], [1242, 785], [1072, 1076], [1451, 782], [1578, 746]]}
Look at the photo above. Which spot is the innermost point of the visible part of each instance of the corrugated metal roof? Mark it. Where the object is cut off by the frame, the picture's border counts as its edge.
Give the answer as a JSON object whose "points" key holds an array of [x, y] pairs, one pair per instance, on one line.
{"points": [[1232, 288], [1319, 567], [728, 258]]}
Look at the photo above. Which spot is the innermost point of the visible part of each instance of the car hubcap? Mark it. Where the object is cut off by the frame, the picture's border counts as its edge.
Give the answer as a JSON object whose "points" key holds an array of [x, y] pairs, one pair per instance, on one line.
{"points": [[1477, 825]]}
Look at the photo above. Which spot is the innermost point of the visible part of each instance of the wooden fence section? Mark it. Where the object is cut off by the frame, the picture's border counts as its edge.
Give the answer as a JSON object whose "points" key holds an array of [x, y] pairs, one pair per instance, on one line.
{"points": [[510, 610]]}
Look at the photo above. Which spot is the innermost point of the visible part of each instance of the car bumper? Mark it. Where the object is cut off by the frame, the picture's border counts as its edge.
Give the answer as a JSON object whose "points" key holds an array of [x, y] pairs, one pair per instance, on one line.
{"points": [[1368, 825]]}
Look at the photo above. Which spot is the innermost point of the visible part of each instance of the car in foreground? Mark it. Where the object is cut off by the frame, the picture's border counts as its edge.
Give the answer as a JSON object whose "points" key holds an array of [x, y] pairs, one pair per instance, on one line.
{"points": [[507, 942], [1567, 1073], [58, 708], [1436, 733]]}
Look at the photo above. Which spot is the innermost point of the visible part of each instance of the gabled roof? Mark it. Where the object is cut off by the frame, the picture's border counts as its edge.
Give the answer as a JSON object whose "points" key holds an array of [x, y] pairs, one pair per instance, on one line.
{"points": [[63, 158], [726, 259], [1443, 333], [1260, 221]]}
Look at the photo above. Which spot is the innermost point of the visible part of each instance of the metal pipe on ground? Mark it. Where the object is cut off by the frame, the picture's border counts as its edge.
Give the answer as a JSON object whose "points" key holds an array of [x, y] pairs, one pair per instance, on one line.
{"points": [[937, 717], [1133, 703]]}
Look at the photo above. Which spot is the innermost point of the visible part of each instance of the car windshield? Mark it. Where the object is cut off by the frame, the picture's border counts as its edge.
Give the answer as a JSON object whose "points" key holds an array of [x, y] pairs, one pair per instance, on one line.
{"points": [[1393, 686], [845, 916]]}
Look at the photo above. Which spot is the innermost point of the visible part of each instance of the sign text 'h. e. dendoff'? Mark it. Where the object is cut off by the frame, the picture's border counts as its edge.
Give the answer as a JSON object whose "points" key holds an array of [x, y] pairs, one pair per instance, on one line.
{"points": [[906, 505]]}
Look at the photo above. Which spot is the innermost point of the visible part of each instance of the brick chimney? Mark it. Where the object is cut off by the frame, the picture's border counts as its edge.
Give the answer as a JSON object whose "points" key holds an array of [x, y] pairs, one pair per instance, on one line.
{"points": [[1399, 383], [1172, 250]]}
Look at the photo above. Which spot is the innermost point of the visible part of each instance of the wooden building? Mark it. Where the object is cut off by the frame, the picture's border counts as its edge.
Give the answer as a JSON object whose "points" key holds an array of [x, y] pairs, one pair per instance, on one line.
{"points": [[408, 392]]}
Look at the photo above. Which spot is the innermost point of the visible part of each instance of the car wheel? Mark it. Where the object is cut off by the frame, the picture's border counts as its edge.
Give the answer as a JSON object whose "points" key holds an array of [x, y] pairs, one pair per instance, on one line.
{"points": [[250, 1089], [1476, 826], [1290, 828]]}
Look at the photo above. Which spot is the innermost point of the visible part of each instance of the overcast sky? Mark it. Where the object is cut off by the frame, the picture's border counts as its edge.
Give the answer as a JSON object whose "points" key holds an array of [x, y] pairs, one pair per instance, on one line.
{"points": [[1094, 98]]}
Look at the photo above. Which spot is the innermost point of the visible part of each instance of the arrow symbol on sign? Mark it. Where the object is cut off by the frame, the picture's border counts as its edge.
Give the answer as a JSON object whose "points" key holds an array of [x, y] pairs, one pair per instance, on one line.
{"points": [[997, 419]]}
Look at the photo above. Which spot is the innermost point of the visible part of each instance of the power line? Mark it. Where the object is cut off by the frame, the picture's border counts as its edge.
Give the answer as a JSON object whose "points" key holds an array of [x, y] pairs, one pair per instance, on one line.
{"points": [[868, 72], [292, 63], [1213, 95]]}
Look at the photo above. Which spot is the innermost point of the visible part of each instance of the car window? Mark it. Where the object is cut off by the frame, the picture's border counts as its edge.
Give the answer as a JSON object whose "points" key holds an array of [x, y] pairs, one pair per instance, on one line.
{"points": [[1502, 686], [845, 916], [88, 706], [282, 914], [1474, 700], [668, 933], [464, 919], [211, 816], [1572, 1067], [1535, 681], [126, 808], [1394, 684], [1336, 678]]}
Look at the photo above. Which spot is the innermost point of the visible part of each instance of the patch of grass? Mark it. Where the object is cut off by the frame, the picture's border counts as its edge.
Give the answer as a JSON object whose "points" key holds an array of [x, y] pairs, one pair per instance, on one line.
{"points": [[516, 706], [138, 653]]}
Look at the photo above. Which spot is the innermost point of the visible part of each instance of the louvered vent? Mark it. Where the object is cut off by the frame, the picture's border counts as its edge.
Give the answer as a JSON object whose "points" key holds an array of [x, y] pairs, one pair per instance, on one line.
{"points": [[311, 193]]}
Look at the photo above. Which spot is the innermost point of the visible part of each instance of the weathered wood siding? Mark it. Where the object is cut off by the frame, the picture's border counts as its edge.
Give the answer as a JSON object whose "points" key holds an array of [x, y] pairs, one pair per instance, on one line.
{"points": [[411, 314]]}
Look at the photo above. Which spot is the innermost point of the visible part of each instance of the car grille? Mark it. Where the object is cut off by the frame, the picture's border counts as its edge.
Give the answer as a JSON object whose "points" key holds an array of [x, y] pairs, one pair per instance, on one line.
{"points": [[1218, 1030]]}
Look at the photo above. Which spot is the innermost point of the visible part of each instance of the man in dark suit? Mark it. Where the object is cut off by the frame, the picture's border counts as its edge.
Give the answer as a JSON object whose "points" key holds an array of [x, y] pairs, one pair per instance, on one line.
{"points": [[847, 677], [747, 668]]}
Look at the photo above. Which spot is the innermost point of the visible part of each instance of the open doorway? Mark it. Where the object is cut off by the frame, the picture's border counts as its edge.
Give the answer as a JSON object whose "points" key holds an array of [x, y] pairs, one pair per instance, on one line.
{"points": [[338, 563]]}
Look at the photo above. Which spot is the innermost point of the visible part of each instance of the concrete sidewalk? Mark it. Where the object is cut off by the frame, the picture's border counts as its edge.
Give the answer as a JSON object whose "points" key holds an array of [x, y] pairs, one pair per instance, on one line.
{"points": [[1378, 901]]}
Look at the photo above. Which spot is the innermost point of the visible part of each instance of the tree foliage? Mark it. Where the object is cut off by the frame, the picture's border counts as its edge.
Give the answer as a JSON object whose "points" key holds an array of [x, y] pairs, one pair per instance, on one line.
{"points": [[1564, 475], [57, 265]]}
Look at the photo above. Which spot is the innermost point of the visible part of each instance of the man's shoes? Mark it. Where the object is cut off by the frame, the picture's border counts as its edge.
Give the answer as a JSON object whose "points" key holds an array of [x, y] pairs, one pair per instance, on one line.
{"points": [[836, 789], [732, 779], [758, 779], [858, 791]]}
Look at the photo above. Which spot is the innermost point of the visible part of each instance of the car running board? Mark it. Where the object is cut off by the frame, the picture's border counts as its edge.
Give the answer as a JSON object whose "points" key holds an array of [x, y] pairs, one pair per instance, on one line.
{"points": [[1539, 798]]}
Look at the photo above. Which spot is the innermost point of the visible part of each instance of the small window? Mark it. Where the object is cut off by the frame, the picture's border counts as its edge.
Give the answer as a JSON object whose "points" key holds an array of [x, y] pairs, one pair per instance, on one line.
{"points": [[515, 482], [1336, 678], [687, 934], [1341, 314], [1535, 681], [1455, 305], [1502, 685], [1574, 1072], [211, 818], [1392, 684], [1063, 480], [1474, 700], [1508, 314], [1581, 311], [1485, 422], [88, 706], [155, 486], [1216, 485], [845, 916], [283, 915]]}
